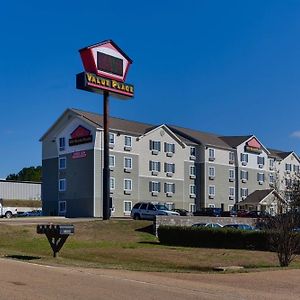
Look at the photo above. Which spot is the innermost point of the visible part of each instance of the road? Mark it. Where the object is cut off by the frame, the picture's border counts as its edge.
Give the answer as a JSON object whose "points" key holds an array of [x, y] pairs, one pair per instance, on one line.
{"points": [[21, 280]]}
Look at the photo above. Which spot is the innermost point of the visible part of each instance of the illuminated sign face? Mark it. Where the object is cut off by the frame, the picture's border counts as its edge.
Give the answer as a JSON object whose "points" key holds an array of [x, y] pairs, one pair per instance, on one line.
{"points": [[253, 146], [106, 59], [79, 136]]}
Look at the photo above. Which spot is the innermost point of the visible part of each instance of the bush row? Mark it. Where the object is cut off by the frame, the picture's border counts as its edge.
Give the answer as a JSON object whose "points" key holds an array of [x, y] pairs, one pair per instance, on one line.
{"points": [[214, 238]]}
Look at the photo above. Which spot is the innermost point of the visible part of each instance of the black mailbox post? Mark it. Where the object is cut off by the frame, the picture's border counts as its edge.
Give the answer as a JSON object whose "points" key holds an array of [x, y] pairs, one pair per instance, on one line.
{"points": [[56, 235]]}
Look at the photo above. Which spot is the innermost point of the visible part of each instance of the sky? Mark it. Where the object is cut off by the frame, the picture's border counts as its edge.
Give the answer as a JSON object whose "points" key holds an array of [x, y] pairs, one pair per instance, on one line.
{"points": [[227, 67]]}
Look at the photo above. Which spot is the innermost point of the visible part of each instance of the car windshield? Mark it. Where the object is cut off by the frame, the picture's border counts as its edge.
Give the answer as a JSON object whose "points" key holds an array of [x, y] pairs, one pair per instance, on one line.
{"points": [[161, 207]]}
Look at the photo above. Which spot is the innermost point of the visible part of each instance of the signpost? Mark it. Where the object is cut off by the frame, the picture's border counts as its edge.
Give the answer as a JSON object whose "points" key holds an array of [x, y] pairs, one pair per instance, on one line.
{"points": [[106, 67]]}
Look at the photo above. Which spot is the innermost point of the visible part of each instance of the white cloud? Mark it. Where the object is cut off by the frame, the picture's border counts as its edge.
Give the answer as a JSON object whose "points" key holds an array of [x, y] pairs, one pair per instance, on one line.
{"points": [[296, 134]]}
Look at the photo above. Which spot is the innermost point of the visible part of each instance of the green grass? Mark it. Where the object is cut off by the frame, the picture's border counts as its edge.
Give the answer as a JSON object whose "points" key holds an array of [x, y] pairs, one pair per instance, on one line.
{"points": [[125, 245]]}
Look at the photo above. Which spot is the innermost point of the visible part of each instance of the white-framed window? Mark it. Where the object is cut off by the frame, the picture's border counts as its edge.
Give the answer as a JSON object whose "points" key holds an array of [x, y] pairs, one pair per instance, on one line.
{"points": [[112, 161], [62, 163], [170, 205], [127, 207], [169, 148], [127, 162], [296, 168], [62, 144], [231, 156], [244, 192], [211, 154], [193, 151], [211, 190], [260, 160], [211, 172], [62, 185], [244, 175], [192, 207], [169, 168], [155, 145], [169, 187], [112, 183], [192, 170], [62, 207], [155, 186], [127, 184], [127, 141], [271, 178], [231, 174], [112, 138], [288, 167], [192, 189], [271, 163], [260, 177], [231, 191], [244, 158], [154, 166]]}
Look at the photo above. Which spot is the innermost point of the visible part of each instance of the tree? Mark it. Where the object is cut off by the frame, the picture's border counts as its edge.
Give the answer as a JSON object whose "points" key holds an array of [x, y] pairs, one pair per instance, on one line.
{"points": [[27, 174]]}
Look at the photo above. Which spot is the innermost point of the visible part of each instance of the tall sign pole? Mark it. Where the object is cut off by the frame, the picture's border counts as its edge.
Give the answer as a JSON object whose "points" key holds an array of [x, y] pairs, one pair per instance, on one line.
{"points": [[106, 67]]}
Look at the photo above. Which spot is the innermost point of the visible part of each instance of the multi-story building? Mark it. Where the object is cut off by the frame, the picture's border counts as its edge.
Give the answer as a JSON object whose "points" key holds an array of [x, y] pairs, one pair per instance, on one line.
{"points": [[180, 167]]}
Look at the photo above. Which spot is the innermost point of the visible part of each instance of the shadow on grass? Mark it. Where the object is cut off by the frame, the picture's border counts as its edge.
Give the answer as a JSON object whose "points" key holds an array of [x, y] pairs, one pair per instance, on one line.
{"points": [[150, 243], [147, 229], [22, 257]]}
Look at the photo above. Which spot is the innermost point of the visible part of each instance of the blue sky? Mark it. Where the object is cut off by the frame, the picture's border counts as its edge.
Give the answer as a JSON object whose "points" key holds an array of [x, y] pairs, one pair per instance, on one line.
{"points": [[228, 67]]}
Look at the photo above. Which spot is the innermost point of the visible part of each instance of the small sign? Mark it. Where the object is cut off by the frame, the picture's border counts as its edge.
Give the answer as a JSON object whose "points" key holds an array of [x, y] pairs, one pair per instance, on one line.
{"points": [[253, 146], [80, 135], [79, 154]]}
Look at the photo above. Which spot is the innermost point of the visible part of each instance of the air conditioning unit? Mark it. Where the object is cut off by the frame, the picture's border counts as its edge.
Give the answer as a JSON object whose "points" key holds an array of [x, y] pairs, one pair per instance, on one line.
{"points": [[127, 170], [231, 197], [127, 148], [211, 196], [211, 158], [192, 176], [244, 180], [192, 157], [231, 162], [154, 152], [169, 194], [260, 182], [169, 174], [154, 173], [127, 192], [231, 179], [192, 196], [243, 197], [169, 154], [154, 193], [211, 177], [260, 166], [244, 163]]}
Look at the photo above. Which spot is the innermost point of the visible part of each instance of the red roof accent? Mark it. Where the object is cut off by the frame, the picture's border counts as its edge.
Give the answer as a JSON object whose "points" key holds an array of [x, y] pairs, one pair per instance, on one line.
{"points": [[80, 131], [254, 143]]}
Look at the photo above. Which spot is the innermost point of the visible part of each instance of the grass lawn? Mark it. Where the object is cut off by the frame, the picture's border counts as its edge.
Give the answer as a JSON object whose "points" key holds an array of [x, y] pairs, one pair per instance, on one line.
{"points": [[125, 245]]}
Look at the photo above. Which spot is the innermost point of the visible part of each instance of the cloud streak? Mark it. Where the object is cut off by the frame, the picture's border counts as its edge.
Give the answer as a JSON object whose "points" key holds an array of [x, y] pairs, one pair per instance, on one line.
{"points": [[295, 134]]}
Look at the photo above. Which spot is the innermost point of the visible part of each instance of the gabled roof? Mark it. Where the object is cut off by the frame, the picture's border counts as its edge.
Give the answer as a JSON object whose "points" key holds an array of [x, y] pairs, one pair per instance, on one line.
{"points": [[274, 153], [203, 138], [234, 141], [259, 195]]}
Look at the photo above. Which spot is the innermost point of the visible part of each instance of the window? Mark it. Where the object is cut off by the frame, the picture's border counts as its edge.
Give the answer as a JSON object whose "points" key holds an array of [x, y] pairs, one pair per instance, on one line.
{"points": [[111, 138], [169, 168], [193, 151], [62, 207], [128, 141], [244, 192], [154, 186], [288, 167], [112, 161], [296, 169], [154, 166], [192, 189], [211, 172], [192, 171], [170, 205], [169, 148], [231, 157], [231, 191], [170, 188], [288, 183], [62, 144], [112, 183], [127, 185], [231, 175], [260, 177], [271, 178], [62, 163], [260, 160], [127, 162], [211, 190], [127, 207], [62, 185], [211, 154], [244, 158], [271, 162], [244, 175], [155, 145], [192, 207]]}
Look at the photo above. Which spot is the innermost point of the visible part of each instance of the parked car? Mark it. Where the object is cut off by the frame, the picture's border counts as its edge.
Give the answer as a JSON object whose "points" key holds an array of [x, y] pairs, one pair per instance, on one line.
{"points": [[209, 225], [33, 213], [209, 211], [148, 211], [182, 212], [239, 226]]}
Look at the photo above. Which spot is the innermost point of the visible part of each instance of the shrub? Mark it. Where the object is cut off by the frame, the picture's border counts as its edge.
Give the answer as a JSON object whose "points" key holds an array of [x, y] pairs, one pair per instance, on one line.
{"points": [[213, 237]]}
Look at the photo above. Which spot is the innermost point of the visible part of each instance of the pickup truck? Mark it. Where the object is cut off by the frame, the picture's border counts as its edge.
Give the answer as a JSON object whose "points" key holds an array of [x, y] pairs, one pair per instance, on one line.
{"points": [[6, 211]]}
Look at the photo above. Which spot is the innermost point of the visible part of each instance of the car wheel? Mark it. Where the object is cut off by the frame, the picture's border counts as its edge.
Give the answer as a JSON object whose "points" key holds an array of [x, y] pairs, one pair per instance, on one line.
{"points": [[137, 217], [8, 215]]}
